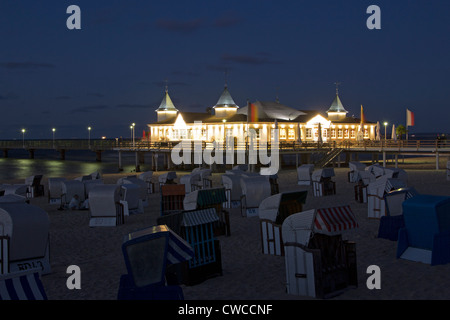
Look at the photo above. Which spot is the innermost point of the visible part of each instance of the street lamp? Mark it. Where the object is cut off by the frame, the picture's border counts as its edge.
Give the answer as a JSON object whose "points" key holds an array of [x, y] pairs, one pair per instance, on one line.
{"points": [[53, 131], [23, 138], [385, 125], [89, 136], [132, 131]]}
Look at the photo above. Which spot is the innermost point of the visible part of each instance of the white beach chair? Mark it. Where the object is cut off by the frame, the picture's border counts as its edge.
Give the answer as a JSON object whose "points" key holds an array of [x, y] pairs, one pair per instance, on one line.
{"points": [[322, 183], [376, 190], [355, 167], [205, 177], [104, 206], [55, 190], [318, 262], [232, 185], [143, 187], [191, 181], [272, 213], [89, 184], [376, 169], [131, 198], [254, 190], [24, 236], [16, 189], [70, 188], [35, 188], [304, 173], [167, 178], [147, 177]]}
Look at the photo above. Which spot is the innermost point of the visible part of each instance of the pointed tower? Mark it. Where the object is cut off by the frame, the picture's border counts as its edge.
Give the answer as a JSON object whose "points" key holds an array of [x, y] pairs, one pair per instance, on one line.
{"points": [[337, 110], [225, 106], [166, 109]]}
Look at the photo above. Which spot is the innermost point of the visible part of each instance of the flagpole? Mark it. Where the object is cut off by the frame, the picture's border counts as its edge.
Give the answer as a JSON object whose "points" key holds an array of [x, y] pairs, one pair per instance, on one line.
{"points": [[406, 124]]}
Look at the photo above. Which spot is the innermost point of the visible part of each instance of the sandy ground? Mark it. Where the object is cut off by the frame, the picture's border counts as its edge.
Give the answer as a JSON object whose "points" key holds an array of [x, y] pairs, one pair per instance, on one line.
{"points": [[247, 273]]}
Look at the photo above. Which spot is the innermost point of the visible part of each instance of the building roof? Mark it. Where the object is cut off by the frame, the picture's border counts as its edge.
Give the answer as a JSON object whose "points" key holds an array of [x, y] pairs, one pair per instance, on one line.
{"points": [[166, 103], [271, 110], [337, 105], [226, 100], [204, 117]]}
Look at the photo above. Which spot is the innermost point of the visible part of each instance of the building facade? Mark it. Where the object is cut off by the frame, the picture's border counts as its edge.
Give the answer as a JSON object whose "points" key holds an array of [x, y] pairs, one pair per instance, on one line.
{"points": [[227, 119]]}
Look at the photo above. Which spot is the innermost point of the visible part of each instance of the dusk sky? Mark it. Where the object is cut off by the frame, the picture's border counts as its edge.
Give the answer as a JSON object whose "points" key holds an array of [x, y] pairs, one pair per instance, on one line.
{"points": [[112, 72]]}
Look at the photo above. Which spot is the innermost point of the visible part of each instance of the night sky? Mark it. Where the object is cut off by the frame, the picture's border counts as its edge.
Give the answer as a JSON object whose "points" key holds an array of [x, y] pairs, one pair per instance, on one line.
{"points": [[112, 72]]}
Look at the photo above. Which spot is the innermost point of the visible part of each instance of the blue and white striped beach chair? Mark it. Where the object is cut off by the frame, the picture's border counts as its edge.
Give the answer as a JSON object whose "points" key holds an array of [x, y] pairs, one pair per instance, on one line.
{"points": [[25, 285]]}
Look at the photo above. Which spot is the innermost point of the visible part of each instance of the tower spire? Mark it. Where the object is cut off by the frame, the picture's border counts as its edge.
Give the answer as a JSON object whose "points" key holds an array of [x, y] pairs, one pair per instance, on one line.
{"points": [[167, 86], [337, 87], [226, 78]]}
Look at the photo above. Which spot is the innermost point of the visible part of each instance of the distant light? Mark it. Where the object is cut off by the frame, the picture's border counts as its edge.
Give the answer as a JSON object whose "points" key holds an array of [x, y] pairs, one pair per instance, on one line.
{"points": [[23, 130], [385, 123], [89, 128], [53, 129], [103, 137]]}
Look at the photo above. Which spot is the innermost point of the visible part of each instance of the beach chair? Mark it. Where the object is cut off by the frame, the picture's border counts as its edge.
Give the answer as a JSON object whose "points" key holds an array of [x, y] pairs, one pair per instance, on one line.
{"points": [[355, 167], [210, 198], [105, 208], [254, 190], [272, 213], [142, 187], [147, 177], [322, 182], [376, 207], [362, 181], [240, 167], [319, 263], [172, 197], [393, 220], [35, 188], [167, 178], [13, 198], [376, 169], [90, 184], [95, 175], [131, 199], [24, 237], [426, 235], [15, 189], [233, 191], [304, 173], [24, 285], [448, 170], [55, 190], [147, 253], [191, 182], [69, 189]]}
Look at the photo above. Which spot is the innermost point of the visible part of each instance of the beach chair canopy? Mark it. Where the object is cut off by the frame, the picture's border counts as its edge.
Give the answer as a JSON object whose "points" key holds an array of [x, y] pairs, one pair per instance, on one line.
{"points": [[90, 184], [233, 183], [365, 177], [269, 208], [204, 198], [330, 221], [149, 250], [394, 200], [199, 217], [167, 176], [376, 169], [384, 185], [103, 200], [17, 189], [319, 174], [28, 227], [189, 180]]}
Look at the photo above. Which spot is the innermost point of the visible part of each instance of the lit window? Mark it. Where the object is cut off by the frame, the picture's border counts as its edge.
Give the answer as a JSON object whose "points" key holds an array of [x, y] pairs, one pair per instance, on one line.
{"points": [[291, 134], [340, 134], [352, 134], [309, 133], [333, 133], [283, 134]]}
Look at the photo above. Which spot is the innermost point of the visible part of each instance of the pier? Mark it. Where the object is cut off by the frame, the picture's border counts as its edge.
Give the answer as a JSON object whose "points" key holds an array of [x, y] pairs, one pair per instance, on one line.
{"points": [[321, 154]]}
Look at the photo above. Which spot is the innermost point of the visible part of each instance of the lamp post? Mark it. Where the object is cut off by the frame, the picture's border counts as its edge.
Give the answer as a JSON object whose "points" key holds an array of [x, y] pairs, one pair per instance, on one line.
{"points": [[23, 138], [53, 131], [385, 125], [89, 136], [132, 131]]}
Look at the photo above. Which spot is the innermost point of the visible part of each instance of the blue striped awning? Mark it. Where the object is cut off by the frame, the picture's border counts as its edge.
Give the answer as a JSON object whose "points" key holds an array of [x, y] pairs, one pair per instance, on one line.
{"points": [[178, 250], [199, 217], [22, 286]]}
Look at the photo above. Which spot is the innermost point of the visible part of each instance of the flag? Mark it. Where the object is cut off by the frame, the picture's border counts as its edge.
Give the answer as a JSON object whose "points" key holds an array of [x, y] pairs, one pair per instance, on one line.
{"points": [[252, 112], [409, 118]]}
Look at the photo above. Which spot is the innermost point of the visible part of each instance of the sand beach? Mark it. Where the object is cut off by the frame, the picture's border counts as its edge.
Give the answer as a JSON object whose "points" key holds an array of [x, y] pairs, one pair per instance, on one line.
{"points": [[247, 273]]}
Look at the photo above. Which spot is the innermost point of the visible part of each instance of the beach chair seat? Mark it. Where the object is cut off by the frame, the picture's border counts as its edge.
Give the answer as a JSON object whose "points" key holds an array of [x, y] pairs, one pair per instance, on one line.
{"points": [[147, 253], [24, 236], [210, 198], [322, 182], [105, 208], [254, 190], [172, 197], [55, 190], [272, 213], [426, 235], [319, 263], [304, 173], [24, 285]]}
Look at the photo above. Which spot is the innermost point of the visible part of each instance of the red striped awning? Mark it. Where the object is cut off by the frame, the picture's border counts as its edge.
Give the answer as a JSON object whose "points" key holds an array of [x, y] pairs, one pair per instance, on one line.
{"points": [[336, 219]]}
